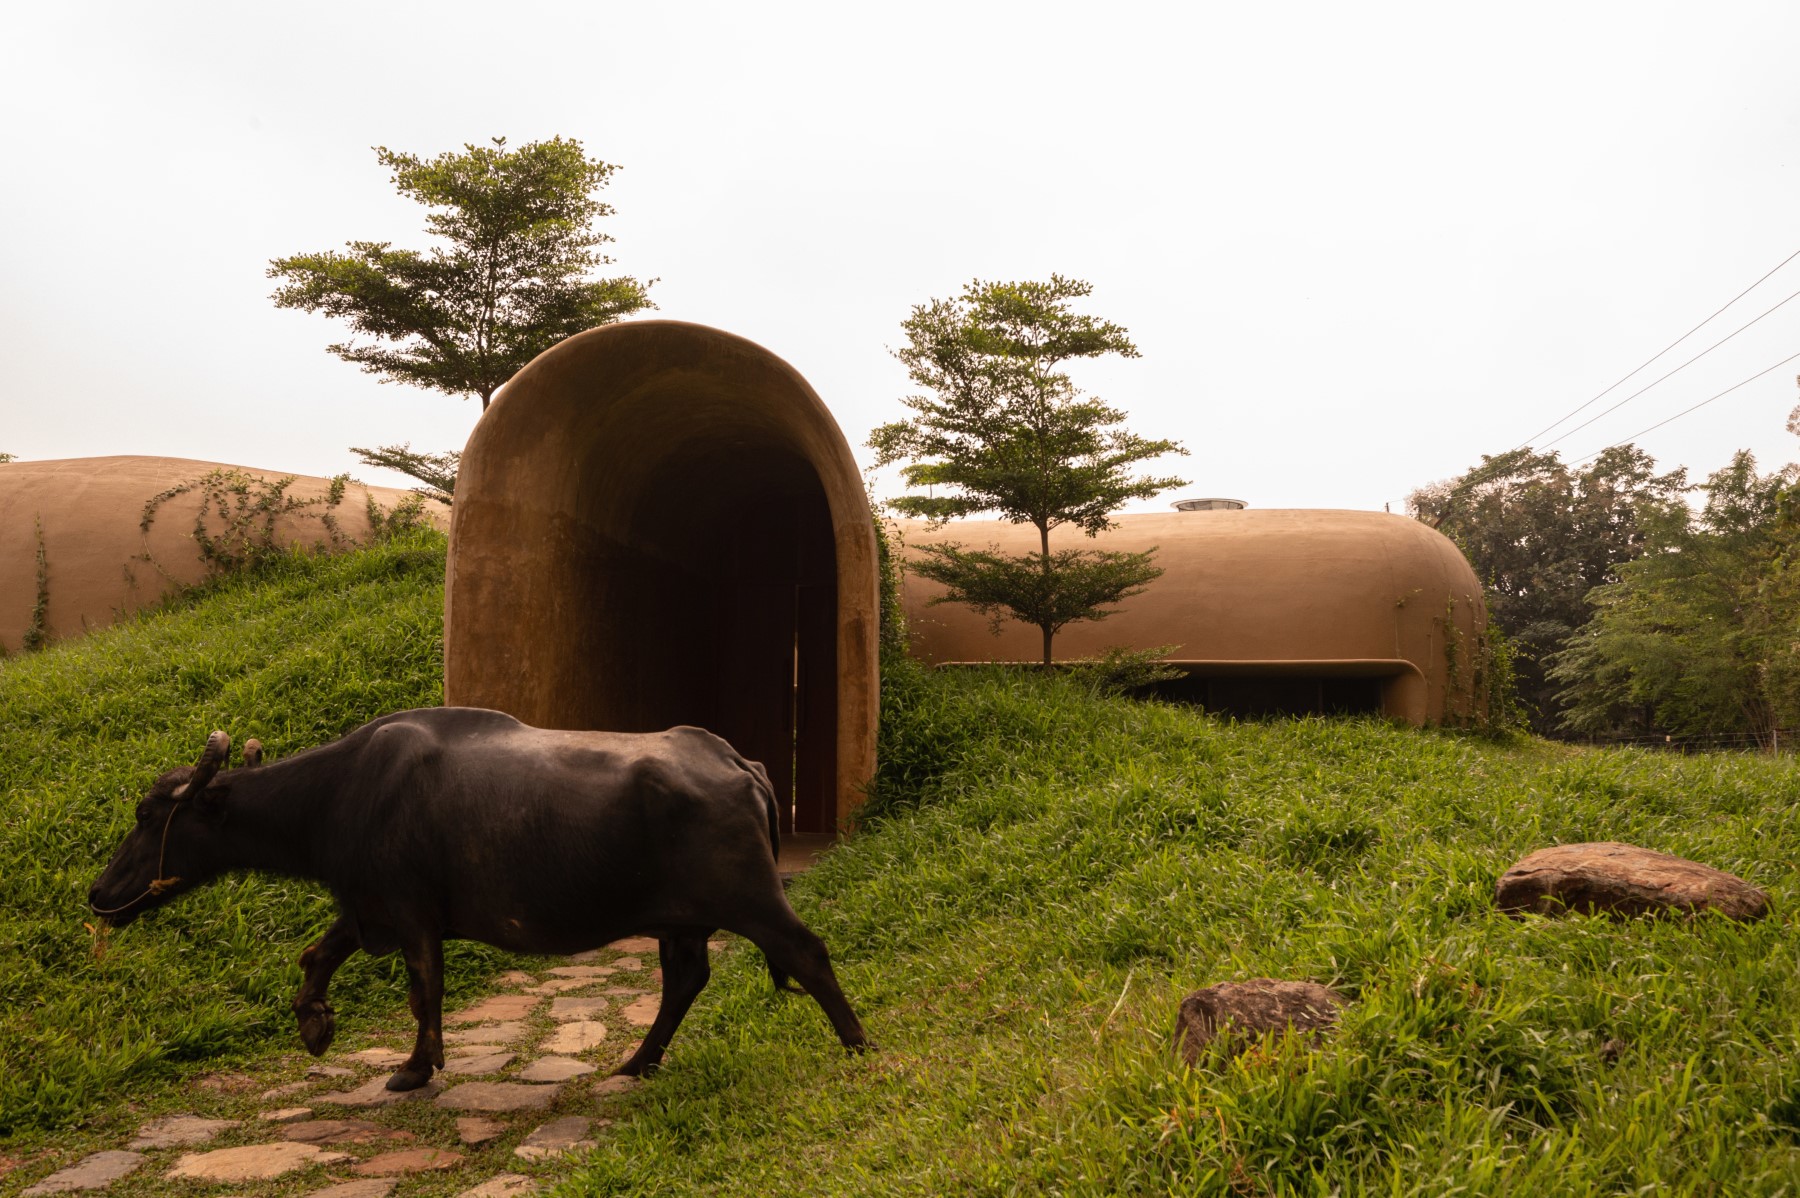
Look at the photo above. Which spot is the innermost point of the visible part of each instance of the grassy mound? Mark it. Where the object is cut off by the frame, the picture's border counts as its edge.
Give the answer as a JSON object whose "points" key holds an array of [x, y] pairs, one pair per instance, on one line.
{"points": [[295, 654], [1049, 872]]}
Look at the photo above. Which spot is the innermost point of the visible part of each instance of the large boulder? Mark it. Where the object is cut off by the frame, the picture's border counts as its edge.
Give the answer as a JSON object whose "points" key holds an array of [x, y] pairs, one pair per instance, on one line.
{"points": [[1260, 1006], [1625, 880]]}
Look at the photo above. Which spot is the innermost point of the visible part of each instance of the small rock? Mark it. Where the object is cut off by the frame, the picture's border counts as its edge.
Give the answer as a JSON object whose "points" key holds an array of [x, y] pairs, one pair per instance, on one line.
{"points": [[1622, 879], [374, 1187], [474, 1130], [564, 1009], [341, 1131], [624, 991], [1256, 1007], [618, 1083], [630, 963], [330, 1071], [634, 944], [502, 1185], [642, 1012], [498, 1097], [583, 971], [515, 977], [94, 1172], [554, 1069], [287, 1114], [381, 1058], [556, 1138], [290, 1088], [585, 955], [560, 986], [717, 946], [575, 1036], [374, 1092], [478, 1064], [225, 1083], [176, 1131], [253, 1162], [408, 1160], [493, 1033], [497, 1007]]}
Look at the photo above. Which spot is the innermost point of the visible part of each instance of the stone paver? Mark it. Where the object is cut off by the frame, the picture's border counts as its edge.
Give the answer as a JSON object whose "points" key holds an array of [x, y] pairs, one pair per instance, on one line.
{"points": [[496, 1008], [561, 985], [175, 1131], [341, 1131], [582, 971], [478, 1064], [556, 1138], [642, 1012], [408, 1160], [285, 1091], [287, 1114], [624, 991], [618, 1083], [329, 1071], [578, 1035], [502, 1185], [473, 1130], [554, 1069], [252, 1162], [515, 977], [380, 1058], [635, 944], [374, 1092], [95, 1172], [495, 1097], [493, 1033], [564, 1009], [628, 963], [373, 1187]]}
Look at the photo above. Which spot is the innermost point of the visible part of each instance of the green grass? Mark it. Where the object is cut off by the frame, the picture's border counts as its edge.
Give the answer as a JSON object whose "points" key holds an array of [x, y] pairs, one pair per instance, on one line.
{"points": [[296, 654], [1050, 872], [1043, 875]]}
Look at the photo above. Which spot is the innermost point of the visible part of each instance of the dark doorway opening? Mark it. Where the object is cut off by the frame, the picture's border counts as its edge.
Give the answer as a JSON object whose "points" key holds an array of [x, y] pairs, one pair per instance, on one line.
{"points": [[1274, 695], [729, 576]]}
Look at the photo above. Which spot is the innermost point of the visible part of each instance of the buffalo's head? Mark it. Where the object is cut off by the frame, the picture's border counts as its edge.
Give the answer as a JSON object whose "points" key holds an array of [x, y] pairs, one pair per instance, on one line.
{"points": [[174, 844]]}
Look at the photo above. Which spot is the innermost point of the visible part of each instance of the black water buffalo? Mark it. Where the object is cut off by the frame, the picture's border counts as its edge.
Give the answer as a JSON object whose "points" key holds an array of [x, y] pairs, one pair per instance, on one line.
{"points": [[462, 823]]}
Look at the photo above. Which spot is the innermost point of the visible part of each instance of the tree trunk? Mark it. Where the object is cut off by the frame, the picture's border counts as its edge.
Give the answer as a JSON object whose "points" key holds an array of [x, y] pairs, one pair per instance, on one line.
{"points": [[1044, 541]]}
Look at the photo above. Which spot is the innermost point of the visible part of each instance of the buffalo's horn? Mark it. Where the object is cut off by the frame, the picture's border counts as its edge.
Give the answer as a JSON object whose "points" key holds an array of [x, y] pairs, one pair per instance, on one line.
{"points": [[218, 747], [252, 752]]}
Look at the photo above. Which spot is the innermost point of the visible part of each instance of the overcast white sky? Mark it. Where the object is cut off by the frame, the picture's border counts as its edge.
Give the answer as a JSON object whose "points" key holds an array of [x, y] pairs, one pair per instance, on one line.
{"points": [[1359, 244]]}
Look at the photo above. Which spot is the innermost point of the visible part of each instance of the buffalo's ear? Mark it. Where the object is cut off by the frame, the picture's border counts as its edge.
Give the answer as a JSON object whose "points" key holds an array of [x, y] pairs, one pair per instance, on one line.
{"points": [[218, 747], [252, 753]]}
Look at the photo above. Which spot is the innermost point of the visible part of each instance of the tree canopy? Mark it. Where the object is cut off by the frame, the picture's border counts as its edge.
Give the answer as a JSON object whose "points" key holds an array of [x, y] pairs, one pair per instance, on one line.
{"points": [[509, 277], [1000, 428]]}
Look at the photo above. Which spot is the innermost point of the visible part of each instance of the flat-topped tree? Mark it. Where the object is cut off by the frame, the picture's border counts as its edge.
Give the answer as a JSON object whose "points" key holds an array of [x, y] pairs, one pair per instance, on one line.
{"points": [[1003, 430], [511, 274]]}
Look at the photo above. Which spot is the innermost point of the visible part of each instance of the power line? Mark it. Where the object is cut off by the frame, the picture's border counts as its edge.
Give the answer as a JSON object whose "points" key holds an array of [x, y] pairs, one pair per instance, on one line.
{"points": [[1659, 353], [1677, 370], [1695, 408]]}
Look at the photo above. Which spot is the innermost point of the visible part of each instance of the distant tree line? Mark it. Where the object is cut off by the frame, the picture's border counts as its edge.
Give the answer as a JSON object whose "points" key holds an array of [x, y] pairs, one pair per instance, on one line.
{"points": [[1640, 605]]}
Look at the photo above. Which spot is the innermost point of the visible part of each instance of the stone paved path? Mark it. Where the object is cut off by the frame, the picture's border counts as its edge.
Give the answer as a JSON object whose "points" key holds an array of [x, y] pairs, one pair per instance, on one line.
{"points": [[525, 1091]]}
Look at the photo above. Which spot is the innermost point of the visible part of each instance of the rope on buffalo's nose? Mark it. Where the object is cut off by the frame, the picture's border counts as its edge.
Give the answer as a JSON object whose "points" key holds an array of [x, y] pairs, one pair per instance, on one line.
{"points": [[158, 884]]}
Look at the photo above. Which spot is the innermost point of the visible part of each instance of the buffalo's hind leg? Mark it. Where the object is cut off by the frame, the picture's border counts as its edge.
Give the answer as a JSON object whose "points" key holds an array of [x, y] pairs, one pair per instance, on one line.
{"points": [[312, 1009], [425, 995], [792, 949], [685, 971]]}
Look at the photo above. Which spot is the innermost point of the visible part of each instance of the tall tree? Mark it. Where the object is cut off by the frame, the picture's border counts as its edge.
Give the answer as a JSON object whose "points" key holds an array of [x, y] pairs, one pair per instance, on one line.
{"points": [[1700, 636], [1002, 429], [510, 275], [1542, 536]]}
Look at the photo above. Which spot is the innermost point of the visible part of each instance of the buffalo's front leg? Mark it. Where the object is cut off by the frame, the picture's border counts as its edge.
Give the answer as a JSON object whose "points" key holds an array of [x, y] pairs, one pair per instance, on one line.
{"points": [[685, 972], [318, 1022], [425, 995]]}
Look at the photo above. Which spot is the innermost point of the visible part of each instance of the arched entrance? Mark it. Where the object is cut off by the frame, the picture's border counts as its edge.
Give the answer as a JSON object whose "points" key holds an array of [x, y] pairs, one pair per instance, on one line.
{"points": [[659, 523]]}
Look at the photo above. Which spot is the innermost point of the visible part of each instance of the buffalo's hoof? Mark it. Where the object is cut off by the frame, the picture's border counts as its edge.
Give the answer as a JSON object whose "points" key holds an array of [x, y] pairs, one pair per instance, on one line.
{"points": [[318, 1024], [409, 1078]]}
